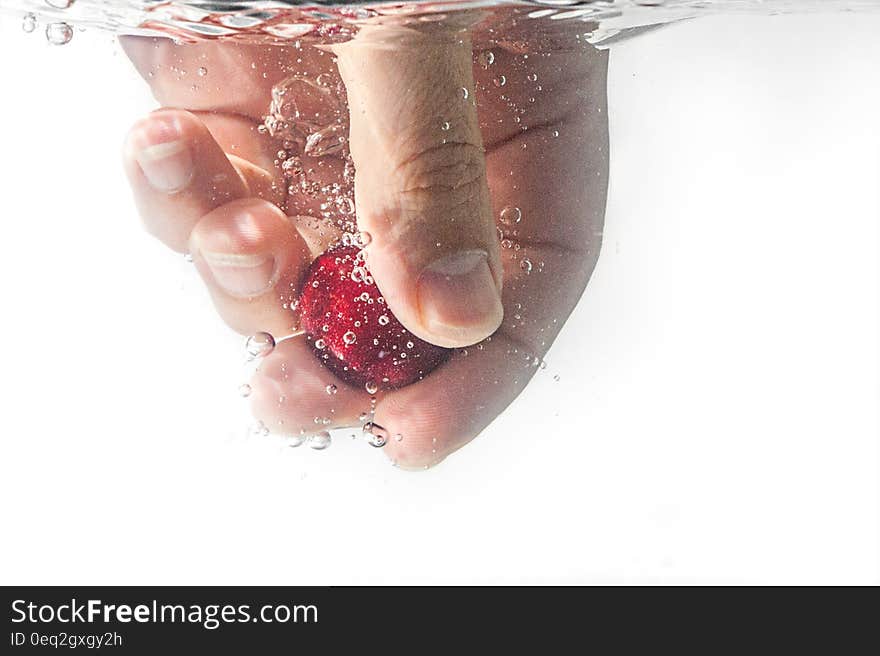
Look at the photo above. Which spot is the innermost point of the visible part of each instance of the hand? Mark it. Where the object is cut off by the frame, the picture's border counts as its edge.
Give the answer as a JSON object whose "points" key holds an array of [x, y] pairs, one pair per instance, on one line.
{"points": [[482, 186]]}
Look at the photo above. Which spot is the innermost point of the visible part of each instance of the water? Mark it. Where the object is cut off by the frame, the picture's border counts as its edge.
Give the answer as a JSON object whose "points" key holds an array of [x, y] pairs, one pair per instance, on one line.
{"points": [[321, 123], [276, 21], [706, 413]]}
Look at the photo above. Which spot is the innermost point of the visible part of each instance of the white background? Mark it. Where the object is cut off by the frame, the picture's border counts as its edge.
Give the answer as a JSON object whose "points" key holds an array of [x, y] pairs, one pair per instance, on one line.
{"points": [[717, 416]]}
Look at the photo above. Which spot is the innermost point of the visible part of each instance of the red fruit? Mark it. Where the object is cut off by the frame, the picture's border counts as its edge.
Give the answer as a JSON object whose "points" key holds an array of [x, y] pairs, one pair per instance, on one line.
{"points": [[353, 332]]}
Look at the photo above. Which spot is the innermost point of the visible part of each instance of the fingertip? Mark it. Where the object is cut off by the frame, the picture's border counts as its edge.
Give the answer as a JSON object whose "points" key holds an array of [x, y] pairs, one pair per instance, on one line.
{"points": [[420, 435], [243, 247], [452, 301], [158, 148], [459, 300], [178, 173], [292, 392], [430, 420]]}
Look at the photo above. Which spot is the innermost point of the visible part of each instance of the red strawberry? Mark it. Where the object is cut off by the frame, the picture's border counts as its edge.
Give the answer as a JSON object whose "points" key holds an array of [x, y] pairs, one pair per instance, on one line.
{"points": [[352, 330]]}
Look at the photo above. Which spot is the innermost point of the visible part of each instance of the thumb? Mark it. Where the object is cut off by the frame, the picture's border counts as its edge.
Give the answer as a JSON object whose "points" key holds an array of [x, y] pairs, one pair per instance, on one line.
{"points": [[420, 181]]}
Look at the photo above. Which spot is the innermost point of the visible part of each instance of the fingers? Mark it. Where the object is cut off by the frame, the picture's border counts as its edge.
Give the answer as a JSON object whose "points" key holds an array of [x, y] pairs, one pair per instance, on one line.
{"points": [[550, 248], [551, 241], [251, 258], [294, 394], [195, 198], [431, 421], [178, 173], [420, 184], [550, 120], [422, 195], [210, 75]]}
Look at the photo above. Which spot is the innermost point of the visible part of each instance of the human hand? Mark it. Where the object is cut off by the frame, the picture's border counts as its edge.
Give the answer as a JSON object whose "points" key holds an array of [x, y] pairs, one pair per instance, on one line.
{"points": [[438, 176]]}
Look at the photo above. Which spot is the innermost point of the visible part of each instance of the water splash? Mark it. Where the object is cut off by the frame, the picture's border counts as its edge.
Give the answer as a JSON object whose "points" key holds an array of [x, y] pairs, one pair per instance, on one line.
{"points": [[605, 21]]}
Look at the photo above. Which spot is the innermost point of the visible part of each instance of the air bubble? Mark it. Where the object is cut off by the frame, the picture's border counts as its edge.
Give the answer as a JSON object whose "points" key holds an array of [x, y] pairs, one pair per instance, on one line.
{"points": [[349, 338], [511, 215], [500, 81], [465, 94], [259, 345], [319, 441], [377, 436], [29, 23], [383, 320], [331, 389], [202, 71], [294, 441], [244, 390], [526, 265], [59, 34], [371, 387], [486, 58], [445, 125], [320, 344], [346, 205]]}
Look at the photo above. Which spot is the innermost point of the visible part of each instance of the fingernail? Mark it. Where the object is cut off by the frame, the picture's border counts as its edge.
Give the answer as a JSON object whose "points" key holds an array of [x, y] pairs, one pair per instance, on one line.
{"points": [[241, 275], [163, 156], [459, 301]]}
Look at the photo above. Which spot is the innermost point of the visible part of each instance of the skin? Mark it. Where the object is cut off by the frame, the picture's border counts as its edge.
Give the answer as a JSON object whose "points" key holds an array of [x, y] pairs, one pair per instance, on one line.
{"points": [[421, 200]]}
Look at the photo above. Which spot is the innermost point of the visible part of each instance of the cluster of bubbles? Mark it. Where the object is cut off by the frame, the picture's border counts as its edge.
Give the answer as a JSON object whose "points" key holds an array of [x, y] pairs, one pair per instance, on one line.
{"points": [[508, 234], [308, 114]]}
